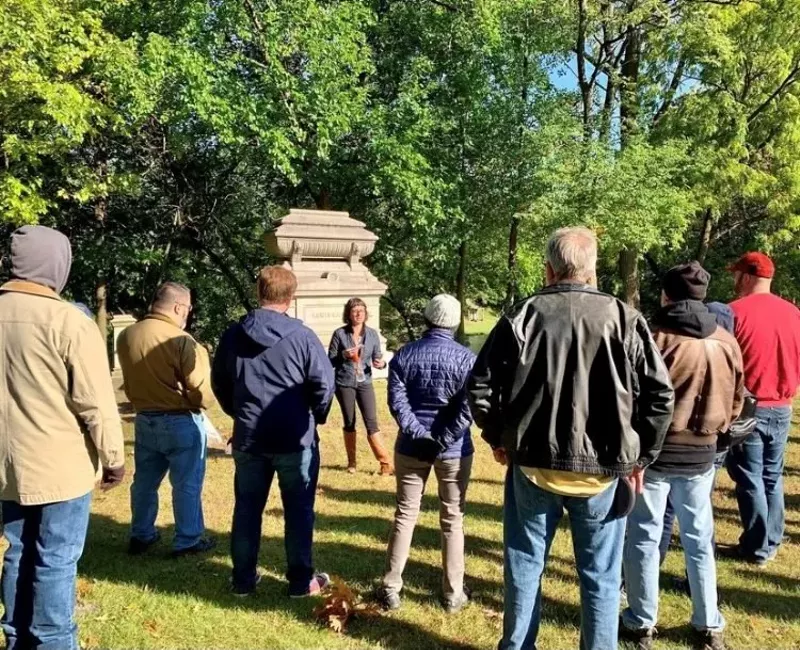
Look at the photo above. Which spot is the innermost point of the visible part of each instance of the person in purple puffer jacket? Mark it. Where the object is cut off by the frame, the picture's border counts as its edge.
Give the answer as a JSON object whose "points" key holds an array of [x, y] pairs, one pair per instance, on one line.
{"points": [[427, 397]]}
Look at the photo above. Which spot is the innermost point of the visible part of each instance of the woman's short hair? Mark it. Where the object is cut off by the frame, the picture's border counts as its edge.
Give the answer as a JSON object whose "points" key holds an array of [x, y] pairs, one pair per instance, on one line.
{"points": [[350, 305], [276, 285]]}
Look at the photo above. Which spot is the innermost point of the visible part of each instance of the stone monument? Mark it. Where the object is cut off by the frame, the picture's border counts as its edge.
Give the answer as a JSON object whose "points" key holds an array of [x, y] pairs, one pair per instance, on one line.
{"points": [[119, 322], [324, 250]]}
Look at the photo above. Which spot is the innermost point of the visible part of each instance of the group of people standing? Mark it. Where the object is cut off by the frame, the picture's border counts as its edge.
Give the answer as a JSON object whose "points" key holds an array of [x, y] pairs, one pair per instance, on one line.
{"points": [[618, 422]]}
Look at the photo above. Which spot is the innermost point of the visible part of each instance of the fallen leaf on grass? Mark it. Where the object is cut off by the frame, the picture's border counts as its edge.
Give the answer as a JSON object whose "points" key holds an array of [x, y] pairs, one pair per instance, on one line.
{"points": [[82, 589], [491, 614], [341, 605], [152, 627]]}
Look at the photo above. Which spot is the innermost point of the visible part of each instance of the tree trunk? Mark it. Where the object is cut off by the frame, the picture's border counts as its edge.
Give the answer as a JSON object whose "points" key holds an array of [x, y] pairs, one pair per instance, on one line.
{"points": [[401, 309], [323, 200], [511, 289], [101, 288], [461, 290], [628, 263], [629, 274], [101, 307], [584, 84], [705, 237], [629, 79]]}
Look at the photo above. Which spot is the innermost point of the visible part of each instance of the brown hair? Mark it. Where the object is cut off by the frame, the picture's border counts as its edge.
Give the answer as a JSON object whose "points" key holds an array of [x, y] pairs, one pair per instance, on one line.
{"points": [[352, 304], [275, 285]]}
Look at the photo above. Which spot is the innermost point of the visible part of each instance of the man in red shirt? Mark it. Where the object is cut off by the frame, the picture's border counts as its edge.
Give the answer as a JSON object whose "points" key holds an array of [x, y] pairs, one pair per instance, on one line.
{"points": [[768, 331]]}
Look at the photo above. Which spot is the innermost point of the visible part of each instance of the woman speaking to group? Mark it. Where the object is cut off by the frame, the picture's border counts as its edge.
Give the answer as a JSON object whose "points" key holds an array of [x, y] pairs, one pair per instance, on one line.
{"points": [[354, 351]]}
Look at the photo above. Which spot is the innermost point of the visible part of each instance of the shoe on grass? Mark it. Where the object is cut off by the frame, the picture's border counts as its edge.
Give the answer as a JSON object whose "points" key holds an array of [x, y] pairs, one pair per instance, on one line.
{"points": [[708, 640], [202, 546], [387, 598], [644, 638], [244, 592], [139, 546], [319, 583], [736, 552], [456, 604]]}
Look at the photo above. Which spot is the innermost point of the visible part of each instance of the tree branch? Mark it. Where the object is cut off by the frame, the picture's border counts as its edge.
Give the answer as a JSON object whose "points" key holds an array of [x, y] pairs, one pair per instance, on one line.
{"points": [[791, 78], [672, 89]]}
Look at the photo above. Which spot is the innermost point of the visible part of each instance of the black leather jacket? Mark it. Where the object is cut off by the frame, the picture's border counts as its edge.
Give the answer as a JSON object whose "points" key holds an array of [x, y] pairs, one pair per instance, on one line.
{"points": [[571, 380]]}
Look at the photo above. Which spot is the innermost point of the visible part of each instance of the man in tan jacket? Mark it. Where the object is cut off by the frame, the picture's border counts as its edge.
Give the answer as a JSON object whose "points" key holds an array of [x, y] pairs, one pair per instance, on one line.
{"points": [[705, 367], [59, 425], [167, 379]]}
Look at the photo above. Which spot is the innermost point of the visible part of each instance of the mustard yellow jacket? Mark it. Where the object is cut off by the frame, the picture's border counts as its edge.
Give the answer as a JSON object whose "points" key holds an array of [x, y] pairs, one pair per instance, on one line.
{"points": [[164, 368], [59, 421]]}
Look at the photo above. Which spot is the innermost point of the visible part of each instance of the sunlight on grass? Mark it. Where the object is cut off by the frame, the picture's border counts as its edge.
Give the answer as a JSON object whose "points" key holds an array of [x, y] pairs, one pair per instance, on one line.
{"points": [[155, 602]]}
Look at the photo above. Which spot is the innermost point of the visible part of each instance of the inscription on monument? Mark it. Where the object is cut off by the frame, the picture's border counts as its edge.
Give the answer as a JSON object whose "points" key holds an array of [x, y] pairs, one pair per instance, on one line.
{"points": [[323, 314]]}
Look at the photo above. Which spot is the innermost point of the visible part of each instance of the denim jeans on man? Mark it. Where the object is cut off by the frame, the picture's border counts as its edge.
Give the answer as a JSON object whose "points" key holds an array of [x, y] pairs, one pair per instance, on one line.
{"points": [[691, 497], [297, 479], [669, 514], [531, 515], [39, 570], [756, 466], [174, 442]]}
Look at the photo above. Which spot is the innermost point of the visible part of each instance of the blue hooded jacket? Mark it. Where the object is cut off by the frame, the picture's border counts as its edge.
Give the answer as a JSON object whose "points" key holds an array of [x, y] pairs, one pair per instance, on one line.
{"points": [[427, 397], [272, 376]]}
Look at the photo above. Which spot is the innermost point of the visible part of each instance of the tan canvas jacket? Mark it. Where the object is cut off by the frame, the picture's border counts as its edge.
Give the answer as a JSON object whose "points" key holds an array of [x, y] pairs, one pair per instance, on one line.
{"points": [[164, 368], [59, 421], [708, 378]]}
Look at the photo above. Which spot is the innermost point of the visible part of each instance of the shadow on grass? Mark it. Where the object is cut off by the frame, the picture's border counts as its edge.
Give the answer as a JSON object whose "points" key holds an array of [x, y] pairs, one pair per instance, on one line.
{"points": [[207, 577], [474, 509]]}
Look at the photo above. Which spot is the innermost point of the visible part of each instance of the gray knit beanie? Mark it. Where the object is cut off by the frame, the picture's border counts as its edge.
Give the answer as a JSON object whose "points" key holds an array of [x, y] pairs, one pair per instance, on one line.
{"points": [[443, 311], [41, 255]]}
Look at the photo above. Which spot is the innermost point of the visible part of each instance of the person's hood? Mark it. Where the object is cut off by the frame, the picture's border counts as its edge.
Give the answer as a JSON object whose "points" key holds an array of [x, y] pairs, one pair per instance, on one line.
{"points": [[724, 315], [41, 255], [688, 317], [267, 327]]}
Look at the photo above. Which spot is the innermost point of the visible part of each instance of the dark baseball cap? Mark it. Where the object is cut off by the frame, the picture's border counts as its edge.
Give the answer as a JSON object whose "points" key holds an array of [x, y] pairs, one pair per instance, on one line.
{"points": [[754, 263]]}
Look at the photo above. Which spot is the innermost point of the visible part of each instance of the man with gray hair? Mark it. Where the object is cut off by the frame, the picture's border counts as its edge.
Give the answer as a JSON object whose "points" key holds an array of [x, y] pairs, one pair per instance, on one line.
{"points": [[167, 379], [572, 394]]}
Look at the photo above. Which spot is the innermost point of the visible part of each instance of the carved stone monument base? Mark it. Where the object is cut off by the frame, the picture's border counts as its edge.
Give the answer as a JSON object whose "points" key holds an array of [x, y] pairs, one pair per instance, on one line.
{"points": [[324, 250]]}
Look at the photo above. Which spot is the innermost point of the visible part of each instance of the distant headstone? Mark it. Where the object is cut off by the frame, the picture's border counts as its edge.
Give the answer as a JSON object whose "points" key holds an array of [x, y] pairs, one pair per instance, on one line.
{"points": [[119, 322], [324, 250]]}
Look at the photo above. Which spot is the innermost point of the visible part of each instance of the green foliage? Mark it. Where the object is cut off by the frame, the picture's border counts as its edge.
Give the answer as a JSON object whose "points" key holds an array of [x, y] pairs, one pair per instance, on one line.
{"points": [[164, 138]]}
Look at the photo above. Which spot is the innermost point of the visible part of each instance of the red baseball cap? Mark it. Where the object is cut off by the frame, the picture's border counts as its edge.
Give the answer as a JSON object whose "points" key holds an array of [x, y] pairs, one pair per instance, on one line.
{"points": [[754, 263]]}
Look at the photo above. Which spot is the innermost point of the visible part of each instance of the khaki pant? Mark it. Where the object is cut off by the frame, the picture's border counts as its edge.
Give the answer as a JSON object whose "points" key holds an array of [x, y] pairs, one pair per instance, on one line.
{"points": [[412, 474]]}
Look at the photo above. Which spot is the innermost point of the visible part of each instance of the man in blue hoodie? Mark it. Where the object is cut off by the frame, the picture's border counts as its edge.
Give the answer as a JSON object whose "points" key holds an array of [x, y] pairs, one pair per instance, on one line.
{"points": [[272, 376]]}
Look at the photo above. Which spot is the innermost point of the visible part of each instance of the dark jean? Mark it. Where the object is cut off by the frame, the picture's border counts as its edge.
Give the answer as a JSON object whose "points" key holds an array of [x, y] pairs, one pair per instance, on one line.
{"points": [[362, 395], [39, 571], [531, 516], [669, 513], [297, 479], [756, 466], [174, 442]]}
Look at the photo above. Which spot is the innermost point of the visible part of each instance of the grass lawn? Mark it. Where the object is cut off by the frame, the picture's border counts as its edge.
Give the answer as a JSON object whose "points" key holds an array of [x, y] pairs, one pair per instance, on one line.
{"points": [[156, 602]]}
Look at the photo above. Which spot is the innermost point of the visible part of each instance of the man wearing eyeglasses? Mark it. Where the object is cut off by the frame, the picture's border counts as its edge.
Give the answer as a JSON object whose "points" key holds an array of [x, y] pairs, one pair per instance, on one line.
{"points": [[167, 380]]}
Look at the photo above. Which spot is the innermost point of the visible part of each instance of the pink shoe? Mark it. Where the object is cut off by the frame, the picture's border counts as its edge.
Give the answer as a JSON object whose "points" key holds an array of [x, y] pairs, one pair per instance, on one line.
{"points": [[319, 583]]}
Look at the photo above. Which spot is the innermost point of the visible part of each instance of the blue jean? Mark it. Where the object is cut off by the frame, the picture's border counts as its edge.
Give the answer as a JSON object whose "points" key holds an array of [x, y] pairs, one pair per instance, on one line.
{"points": [[39, 570], [531, 515], [756, 466], [669, 514], [174, 442], [297, 479], [691, 497]]}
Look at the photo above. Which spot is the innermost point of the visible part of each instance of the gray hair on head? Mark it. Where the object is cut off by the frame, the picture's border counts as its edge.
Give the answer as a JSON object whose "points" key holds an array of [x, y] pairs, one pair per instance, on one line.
{"points": [[169, 294], [572, 254]]}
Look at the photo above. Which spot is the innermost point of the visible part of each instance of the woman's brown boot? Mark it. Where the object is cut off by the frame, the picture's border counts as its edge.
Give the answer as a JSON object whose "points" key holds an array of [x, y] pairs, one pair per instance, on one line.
{"points": [[381, 455], [350, 448]]}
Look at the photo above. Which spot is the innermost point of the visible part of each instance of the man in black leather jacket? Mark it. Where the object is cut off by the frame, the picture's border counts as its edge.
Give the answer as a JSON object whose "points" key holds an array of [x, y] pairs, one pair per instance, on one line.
{"points": [[570, 391]]}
